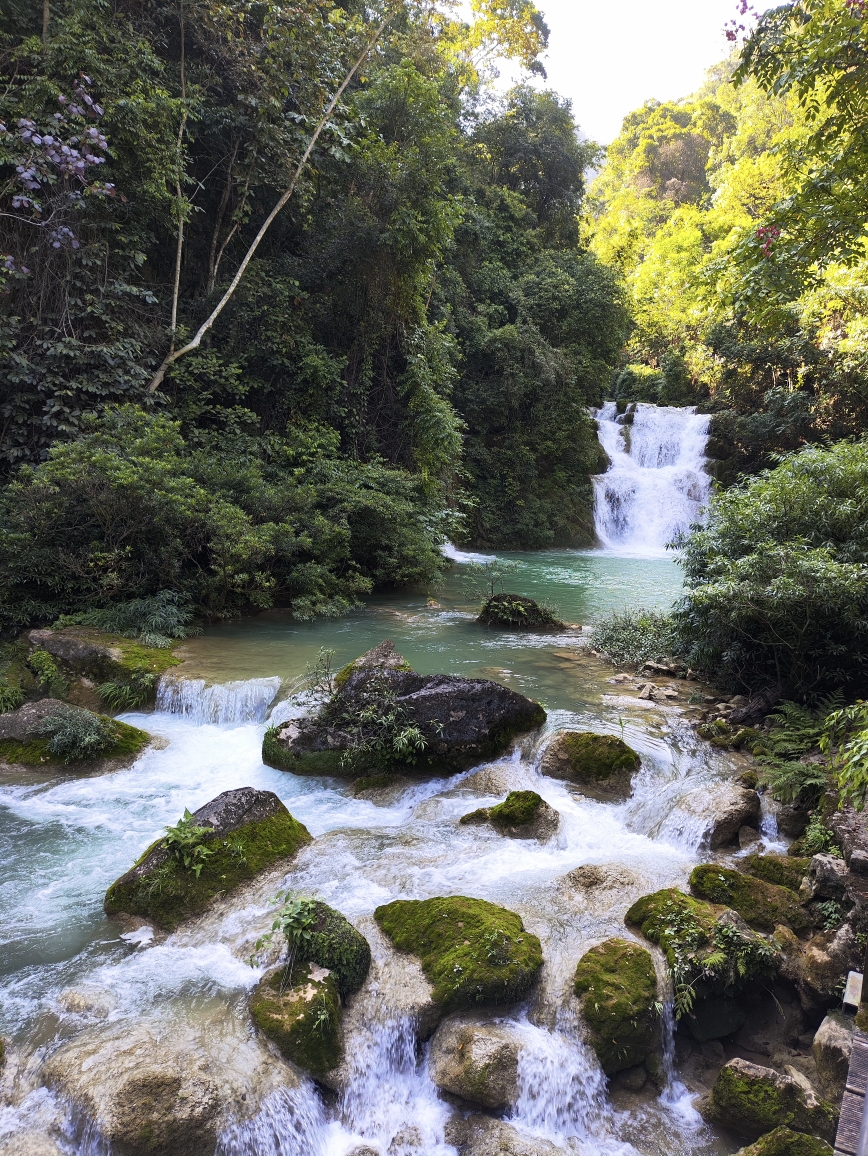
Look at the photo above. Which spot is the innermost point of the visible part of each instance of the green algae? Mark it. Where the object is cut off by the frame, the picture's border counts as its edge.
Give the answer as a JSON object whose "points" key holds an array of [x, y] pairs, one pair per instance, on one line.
{"points": [[754, 1104], [334, 943], [618, 986], [517, 810]]}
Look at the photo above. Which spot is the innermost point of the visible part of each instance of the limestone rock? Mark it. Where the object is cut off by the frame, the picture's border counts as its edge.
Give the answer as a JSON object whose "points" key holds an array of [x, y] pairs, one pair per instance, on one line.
{"points": [[301, 1014], [160, 1087], [850, 828], [30, 1144], [24, 744], [601, 765], [617, 984], [753, 1100], [484, 1136], [464, 721], [20, 724], [762, 905], [827, 877], [522, 815], [832, 1046], [734, 807], [783, 870], [476, 1061], [827, 959], [252, 830]]}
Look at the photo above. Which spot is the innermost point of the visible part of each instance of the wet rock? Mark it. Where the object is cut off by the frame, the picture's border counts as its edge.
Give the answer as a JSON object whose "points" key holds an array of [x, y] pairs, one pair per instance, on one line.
{"points": [[753, 1100], [252, 830], [30, 1144], [484, 1136], [762, 905], [463, 721], [498, 779], [714, 1018], [476, 1061], [25, 741], [163, 1087], [826, 879], [514, 612], [632, 1079], [773, 1025], [782, 870], [383, 789], [832, 1046], [733, 807], [757, 707], [786, 1142], [471, 951], [826, 960], [748, 837], [601, 765], [301, 1013], [792, 819], [522, 815], [617, 985]]}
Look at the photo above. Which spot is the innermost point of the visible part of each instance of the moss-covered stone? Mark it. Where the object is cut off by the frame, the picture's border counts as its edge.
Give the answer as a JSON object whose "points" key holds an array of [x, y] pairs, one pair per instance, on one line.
{"points": [[375, 782], [35, 752], [753, 1100], [517, 810], [301, 1013], [471, 951], [785, 1142], [783, 870], [515, 612], [160, 888], [618, 986], [335, 944], [522, 815], [762, 905], [603, 765]]}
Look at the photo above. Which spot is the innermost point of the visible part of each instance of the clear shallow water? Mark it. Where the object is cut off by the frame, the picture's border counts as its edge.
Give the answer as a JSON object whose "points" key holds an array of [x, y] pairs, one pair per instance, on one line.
{"points": [[64, 839]]}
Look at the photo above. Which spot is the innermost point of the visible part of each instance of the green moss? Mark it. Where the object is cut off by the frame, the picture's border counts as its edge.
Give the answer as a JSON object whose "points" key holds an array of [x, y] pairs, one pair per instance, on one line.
{"points": [[599, 757], [619, 986], [517, 810], [171, 892], [756, 1104], [784, 870], [313, 763], [760, 904], [475, 818], [304, 1020], [35, 752], [473, 952], [334, 943], [785, 1142]]}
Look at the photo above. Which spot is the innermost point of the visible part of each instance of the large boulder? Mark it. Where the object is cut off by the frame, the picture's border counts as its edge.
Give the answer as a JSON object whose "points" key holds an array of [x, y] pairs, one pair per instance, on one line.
{"points": [[850, 828], [164, 1087], [522, 815], [299, 1009], [734, 807], [824, 965], [29, 738], [786, 1142], [515, 612], [761, 905], [827, 878], [782, 870], [602, 765], [833, 1043], [753, 1100], [477, 1062], [462, 721], [472, 952], [617, 984], [250, 831], [483, 1136]]}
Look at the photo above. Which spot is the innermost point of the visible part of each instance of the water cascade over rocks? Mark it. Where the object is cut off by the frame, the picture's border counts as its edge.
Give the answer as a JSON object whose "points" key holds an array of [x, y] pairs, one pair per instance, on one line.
{"points": [[655, 486]]}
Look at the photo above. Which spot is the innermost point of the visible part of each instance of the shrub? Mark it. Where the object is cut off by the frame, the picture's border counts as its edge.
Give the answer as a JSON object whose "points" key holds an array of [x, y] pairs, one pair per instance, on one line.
{"points": [[47, 674], [777, 579], [187, 843], [155, 621], [11, 698], [635, 636], [76, 735]]}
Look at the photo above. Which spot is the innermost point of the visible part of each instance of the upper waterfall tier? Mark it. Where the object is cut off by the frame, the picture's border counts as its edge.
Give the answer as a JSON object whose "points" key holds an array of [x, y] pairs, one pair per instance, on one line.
{"points": [[655, 486]]}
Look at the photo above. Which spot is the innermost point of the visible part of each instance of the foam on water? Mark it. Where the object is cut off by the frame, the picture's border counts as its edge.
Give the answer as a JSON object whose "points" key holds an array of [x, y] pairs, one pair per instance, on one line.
{"points": [[655, 486]]}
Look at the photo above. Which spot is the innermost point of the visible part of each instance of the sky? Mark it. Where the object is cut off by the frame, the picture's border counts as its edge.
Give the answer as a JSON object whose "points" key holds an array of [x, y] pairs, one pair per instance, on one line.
{"points": [[610, 56]]}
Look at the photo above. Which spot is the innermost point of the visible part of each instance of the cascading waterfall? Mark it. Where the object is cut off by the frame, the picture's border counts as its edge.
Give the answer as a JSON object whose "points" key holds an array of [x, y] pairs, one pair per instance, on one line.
{"points": [[227, 703], [655, 486]]}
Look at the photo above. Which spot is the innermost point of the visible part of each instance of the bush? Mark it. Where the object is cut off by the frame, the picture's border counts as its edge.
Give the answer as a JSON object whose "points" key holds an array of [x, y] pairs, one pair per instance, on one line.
{"points": [[777, 580], [634, 637], [11, 698], [155, 621], [76, 735]]}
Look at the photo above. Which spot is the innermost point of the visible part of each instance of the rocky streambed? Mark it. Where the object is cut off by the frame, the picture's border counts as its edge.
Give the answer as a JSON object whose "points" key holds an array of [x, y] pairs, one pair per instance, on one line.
{"points": [[572, 930]]}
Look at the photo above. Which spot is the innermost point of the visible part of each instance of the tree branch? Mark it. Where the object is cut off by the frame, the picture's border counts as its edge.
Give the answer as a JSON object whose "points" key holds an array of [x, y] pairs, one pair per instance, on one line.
{"points": [[173, 355]]}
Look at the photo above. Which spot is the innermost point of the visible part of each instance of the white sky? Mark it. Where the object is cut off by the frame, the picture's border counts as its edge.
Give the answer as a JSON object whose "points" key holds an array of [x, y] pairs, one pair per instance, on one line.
{"points": [[610, 56]]}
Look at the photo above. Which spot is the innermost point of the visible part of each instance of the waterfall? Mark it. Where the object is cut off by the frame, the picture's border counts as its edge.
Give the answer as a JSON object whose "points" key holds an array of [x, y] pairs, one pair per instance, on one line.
{"points": [[226, 702], [656, 484]]}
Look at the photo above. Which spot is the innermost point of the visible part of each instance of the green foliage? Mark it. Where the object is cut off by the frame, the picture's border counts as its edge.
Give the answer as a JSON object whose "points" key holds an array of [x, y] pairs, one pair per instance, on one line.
{"points": [[481, 581], [511, 611], [156, 621], [635, 636], [124, 696], [48, 674], [776, 582], [794, 731], [187, 843], [832, 914], [380, 730], [818, 839], [619, 986], [75, 735], [316, 933], [11, 698], [845, 738], [472, 952]]}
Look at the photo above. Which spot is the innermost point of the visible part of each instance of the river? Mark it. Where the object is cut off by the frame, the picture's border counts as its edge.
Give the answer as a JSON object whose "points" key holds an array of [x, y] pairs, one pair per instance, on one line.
{"points": [[63, 839]]}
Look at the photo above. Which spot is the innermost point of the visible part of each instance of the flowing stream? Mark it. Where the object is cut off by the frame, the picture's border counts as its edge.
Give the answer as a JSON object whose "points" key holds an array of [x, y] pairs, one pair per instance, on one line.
{"points": [[64, 838]]}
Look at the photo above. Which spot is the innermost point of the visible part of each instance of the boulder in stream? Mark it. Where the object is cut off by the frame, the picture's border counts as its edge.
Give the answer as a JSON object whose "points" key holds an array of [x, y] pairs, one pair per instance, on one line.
{"points": [[52, 734], [783, 870], [753, 1100], [477, 1062], [761, 905], [452, 722], [617, 984], [522, 815], [515, 612], [472, 952], [601, 765], [480, 1135], [247, 831], [785, 1142], [299, 1009]]}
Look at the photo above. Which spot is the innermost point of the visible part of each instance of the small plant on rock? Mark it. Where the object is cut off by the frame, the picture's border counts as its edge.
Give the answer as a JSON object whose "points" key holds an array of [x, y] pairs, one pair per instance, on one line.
{"points": [[187, 843], [48, 674], [76, 735], [11, 698], [296, 922], [121, 696], [818, 839], [158, 620], [845, 739]]}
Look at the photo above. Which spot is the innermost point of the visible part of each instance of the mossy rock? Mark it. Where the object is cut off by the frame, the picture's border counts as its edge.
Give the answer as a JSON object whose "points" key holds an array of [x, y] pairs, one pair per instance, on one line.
{"points": [[761, 905], [618, 986], [301, 1013], [252, 831], [335, 944], [515, 612], [785, 1142], [382, 657], [522, 814], [602, 765], [754, 1100], [471, 951], [35, 752], [783, 870]]}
